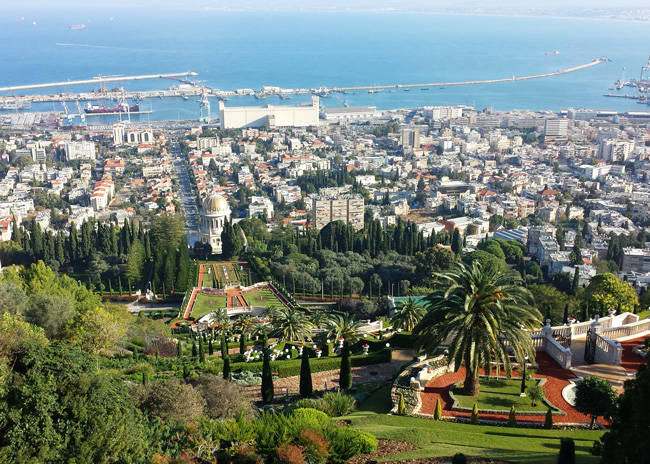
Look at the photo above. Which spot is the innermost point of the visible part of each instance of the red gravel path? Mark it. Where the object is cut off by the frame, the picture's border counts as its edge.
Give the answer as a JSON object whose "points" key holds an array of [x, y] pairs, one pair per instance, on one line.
{"points": [[630, 361], [556, 379]]}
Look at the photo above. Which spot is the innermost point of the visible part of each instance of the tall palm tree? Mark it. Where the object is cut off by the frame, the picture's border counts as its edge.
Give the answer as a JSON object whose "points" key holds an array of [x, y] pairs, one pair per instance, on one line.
{"points": [[221, 321], [269, 312], [409, 313], [484, 314], [243, 322], [345, 326], [319, 318], [291, 325]]}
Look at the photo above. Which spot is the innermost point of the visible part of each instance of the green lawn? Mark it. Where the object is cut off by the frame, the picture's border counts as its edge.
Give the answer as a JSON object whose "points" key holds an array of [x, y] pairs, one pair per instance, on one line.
{"points": [[440, 438], [644, 314], [262, 298], [498, 394], [204, 304]]}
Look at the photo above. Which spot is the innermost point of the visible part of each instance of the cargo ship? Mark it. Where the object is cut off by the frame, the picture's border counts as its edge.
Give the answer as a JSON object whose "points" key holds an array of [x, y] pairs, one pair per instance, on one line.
{"points": [[78, 26], [121, 108]]}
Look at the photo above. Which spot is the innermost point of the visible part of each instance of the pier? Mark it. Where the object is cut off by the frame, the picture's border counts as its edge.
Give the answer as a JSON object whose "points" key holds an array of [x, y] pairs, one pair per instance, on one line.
{"points": [[95, 80]]}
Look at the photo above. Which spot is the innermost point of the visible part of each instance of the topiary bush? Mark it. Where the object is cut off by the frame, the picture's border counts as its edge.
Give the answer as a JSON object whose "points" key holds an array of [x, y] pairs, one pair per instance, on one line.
{"points": [[309, 417], [567, 453], [459, 458], [548, 422], [512, 418], [474, 418], [437, 415]]}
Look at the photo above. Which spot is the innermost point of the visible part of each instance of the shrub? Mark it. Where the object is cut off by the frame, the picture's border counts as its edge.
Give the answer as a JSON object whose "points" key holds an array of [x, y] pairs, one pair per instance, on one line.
{"points": [[535, 393], [291, 454], [346, 442], [335, 404], [512, 419], [437, 415], [596, 449], [316, 446], [459, 458], [474, 419], [548, 422], [309, 417], [303, 403], [225, 400], [567, 451], [172, 400]]}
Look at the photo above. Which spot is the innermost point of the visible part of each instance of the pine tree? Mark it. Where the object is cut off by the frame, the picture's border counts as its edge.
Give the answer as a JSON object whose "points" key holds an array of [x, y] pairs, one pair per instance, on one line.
{"points": [[267, 378], [305, 375], [345, 374]]}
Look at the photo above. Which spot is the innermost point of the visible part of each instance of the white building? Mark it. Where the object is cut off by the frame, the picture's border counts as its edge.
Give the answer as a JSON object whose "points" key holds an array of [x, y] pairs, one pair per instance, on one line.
{"points": [[214, 214], [260, 206], [79, 150], [238, 117]]}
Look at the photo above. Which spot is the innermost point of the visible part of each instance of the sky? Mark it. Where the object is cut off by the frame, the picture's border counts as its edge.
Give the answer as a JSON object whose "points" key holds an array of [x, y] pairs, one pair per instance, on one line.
{"points": [[380, 5]]}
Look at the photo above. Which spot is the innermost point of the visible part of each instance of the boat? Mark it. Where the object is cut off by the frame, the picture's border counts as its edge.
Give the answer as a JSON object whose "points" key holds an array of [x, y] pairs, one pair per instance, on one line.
{"points": [[552, 53], [392, 91], [424, 88], [77, 26], [374, 90], [407, 90], [185, 97], [284, 97], [120, 108], [15, 104]]}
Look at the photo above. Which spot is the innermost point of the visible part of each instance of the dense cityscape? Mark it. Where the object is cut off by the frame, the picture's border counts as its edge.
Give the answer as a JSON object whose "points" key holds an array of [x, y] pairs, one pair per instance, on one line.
{"points": [[300, 283]]}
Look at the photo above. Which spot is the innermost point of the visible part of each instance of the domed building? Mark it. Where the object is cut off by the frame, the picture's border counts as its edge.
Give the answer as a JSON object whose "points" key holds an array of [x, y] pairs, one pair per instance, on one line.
{"points": [[214, 214]]}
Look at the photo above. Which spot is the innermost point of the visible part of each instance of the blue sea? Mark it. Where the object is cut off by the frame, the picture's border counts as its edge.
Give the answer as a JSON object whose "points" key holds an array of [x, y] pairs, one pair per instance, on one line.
{"points": [[231, 50]]}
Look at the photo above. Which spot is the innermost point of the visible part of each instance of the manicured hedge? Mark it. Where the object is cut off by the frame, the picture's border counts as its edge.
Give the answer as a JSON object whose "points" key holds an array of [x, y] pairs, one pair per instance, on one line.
{"points": [[403, 340]]}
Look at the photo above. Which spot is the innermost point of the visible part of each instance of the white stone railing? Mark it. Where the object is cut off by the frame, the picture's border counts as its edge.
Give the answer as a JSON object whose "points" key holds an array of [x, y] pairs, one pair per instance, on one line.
{"points": [[556, 351], [628, 330], [538, 341], [607, 351]]}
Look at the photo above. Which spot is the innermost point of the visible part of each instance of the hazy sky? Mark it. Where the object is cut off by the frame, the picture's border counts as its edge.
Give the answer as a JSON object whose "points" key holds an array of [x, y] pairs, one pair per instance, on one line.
{"points": [[429, 5]]}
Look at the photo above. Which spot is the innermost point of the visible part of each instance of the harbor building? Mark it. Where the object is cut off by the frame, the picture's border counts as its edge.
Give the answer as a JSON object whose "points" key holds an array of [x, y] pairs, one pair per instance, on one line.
{"points": [[240, 117], [214, 214], [346, 208]]}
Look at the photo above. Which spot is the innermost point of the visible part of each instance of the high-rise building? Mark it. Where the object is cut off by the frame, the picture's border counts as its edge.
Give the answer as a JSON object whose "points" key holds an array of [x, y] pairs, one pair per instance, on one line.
{"points": [[556, 128], [119, 133], [346, 208], [410, 138]]}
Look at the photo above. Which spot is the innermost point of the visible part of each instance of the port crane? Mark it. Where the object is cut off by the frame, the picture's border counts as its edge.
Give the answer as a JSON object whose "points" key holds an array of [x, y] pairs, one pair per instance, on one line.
{"points": [[645, 71], [82, 115], [343, 102], [204, 106]]}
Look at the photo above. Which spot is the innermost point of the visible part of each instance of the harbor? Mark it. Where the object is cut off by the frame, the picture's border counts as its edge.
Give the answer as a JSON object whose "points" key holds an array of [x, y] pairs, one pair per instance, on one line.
{"points": [[194, 89]]}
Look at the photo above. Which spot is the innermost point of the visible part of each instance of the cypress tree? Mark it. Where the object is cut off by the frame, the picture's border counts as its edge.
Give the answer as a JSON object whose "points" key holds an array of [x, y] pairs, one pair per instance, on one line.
{"points": [[267, 378], [474, 418], [576, 281], [210, 348], [201, 352], [305, 375], [145, 378], [242, 343], [437, 415], [179, 350], [195, 351], [224, 346], [457, 242], [186, 371], [226, 368], [566, 313], [345, 374], [401, 406]]}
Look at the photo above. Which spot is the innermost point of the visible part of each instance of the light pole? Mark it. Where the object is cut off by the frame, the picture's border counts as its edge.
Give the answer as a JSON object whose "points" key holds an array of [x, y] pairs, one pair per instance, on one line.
{"points": [[392, 288], [523, 379]]}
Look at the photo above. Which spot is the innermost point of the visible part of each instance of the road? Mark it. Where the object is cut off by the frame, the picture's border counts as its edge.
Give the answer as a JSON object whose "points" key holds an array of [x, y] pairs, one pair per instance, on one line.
{"points": [[187, 196]]}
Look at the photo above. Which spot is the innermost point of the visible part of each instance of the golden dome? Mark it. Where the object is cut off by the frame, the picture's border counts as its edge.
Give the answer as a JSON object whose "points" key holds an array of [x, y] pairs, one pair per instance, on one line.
{"points": [[215, 204]]}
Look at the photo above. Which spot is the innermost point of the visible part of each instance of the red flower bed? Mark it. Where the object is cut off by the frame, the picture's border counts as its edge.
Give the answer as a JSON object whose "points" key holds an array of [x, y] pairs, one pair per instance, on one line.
{"points": [[630, 361], [556, 379]]}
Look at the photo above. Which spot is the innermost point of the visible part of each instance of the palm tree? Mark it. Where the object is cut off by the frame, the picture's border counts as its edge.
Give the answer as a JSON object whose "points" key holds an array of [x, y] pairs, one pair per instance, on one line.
{"points": [[268, 312], [345, 326], [319, 318], [291, 325], [221, 321], [258, 329], [483, 314], [409, 313]]}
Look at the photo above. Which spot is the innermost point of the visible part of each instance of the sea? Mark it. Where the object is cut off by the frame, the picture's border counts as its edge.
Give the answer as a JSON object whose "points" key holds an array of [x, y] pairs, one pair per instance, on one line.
{"points": [[234, 50]]}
